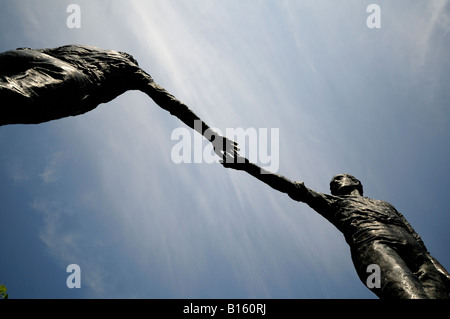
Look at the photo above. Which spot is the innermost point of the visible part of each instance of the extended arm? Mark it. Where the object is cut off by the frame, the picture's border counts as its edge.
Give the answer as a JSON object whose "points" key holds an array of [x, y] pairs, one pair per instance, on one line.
{"points": [[34, 82], [278, 182], [168, 102]]}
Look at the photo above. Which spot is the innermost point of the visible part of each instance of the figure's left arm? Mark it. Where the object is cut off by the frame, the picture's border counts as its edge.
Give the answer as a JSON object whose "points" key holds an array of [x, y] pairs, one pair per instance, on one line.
{"points": [[442, 271]]}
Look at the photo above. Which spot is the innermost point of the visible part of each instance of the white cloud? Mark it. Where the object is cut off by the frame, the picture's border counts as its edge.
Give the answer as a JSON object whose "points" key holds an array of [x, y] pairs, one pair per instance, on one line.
{"points": [[62, 245], [50, 172]]}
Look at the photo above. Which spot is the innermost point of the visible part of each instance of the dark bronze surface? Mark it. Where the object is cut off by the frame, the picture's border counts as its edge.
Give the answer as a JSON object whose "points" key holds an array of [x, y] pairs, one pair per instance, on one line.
{"points": [[39, 85], [375, 231], [47, 84]]}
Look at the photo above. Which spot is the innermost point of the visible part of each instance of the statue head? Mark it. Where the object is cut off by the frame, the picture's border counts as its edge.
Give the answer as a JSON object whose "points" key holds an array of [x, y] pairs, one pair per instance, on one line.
{"points": [[345, 184]]}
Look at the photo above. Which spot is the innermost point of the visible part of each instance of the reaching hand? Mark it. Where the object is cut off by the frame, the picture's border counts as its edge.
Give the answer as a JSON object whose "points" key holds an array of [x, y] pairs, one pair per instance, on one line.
{"points": [[223, 147], [237, 162]]}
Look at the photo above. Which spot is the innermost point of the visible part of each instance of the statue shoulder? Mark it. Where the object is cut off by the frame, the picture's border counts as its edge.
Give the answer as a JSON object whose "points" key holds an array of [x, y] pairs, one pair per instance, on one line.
{"points": [[307, 195]]}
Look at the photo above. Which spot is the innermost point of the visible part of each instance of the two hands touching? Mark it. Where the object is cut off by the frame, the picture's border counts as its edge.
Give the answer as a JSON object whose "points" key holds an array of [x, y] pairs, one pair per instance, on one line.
{"points": [[227, 150]]}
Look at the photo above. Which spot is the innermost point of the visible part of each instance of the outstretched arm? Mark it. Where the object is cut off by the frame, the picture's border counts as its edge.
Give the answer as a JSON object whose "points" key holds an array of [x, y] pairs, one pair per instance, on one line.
{"points": [[82, 77], [276, 181], [168, 102]]}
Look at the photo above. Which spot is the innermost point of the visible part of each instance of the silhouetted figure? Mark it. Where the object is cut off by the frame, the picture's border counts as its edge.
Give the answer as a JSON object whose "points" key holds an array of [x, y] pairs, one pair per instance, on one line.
{"points": [[375, 231], [46, 84]]}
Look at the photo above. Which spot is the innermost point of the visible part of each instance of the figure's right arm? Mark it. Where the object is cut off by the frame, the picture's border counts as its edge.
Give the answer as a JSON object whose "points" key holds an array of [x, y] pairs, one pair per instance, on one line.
{"points": [[295, 190], [168, 102], [321, 203]]}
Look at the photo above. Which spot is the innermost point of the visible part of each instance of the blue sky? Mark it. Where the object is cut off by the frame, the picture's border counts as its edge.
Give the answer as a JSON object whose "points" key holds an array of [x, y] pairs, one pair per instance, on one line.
{"points": [[101, 190]]}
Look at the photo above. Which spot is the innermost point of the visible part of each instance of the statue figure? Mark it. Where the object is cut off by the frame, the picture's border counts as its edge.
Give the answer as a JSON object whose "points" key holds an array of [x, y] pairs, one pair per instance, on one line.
{"points": [[375, 231], [47, 84]]}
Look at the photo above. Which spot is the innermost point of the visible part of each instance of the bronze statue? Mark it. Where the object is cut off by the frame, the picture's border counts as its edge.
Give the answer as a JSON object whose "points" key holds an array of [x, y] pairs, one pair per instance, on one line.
{"points": [[375, 231], [47, 84], [39, 85]]}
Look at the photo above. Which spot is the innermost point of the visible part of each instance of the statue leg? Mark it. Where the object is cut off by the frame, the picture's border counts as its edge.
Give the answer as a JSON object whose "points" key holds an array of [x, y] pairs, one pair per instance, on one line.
{"points": [[397, 281]]}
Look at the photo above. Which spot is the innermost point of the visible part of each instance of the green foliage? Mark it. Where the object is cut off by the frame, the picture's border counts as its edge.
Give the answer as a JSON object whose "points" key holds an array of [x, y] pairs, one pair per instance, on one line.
{"points": [[3, 294]]}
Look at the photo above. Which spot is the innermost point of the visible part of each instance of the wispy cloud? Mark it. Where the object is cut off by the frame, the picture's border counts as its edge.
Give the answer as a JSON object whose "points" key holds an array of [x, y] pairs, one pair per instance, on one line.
{"points": [[60, 243], [50, 172], [193, 230], [189, 217]]}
